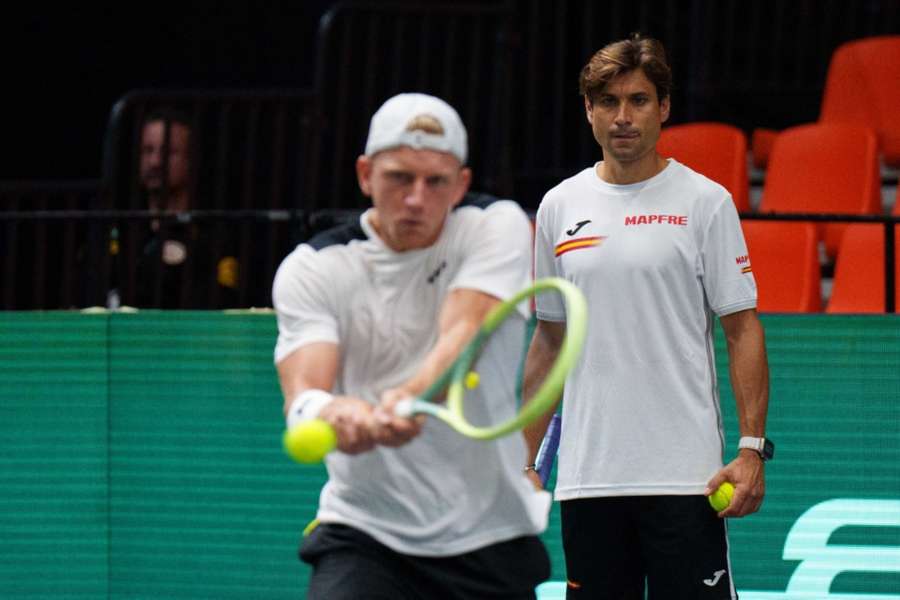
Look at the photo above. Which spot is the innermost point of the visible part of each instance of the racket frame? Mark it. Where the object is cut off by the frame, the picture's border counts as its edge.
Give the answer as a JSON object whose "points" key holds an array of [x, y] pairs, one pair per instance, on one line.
{"points": [[453, 379]]}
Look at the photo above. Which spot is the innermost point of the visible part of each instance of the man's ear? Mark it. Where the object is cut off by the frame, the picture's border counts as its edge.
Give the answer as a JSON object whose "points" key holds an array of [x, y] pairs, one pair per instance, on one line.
{"points": [[665, 106], [588, 105], [364, 174], [465, 180]]}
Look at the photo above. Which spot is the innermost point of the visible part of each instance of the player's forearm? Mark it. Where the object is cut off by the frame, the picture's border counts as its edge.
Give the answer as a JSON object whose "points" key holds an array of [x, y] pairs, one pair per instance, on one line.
{"points": [[749, 371], [310, 367], [461, 317], [542, 352], [441, 356], [534, 435]]}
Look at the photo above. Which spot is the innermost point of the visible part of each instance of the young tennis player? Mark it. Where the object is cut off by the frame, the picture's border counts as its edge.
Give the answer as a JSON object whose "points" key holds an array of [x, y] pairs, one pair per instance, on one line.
{"points": [[658, 251], [373, 312]]}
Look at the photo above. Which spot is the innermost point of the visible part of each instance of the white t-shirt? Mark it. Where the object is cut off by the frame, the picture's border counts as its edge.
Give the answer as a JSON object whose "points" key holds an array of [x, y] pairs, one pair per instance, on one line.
{"points": [[655, 260], [441, 494]]}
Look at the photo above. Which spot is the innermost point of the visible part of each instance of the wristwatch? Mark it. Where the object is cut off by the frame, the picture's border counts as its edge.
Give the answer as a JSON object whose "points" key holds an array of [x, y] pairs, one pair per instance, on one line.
{"points": [[763, 446]]}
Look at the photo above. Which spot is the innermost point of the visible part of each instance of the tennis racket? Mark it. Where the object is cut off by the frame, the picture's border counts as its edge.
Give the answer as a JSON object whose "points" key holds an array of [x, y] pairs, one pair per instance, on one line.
{"points": [[459, 377], [543, 464]]}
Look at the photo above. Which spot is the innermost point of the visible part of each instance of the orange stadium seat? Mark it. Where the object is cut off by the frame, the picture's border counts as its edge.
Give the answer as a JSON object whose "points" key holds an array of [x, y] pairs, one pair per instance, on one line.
{"points": [[824, 168], [716, 150], [863, 87], [785, 261], [859, 271], [761, 141]]}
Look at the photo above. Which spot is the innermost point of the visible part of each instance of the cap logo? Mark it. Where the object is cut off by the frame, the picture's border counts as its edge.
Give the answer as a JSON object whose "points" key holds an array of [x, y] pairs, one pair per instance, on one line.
{"points": [[426, 123], [420, 122]]}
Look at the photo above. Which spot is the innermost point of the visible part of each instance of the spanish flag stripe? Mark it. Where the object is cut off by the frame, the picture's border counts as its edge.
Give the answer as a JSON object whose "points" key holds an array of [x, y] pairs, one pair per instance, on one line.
{"points": [[585, 242], [746, 270], [569, 247]]}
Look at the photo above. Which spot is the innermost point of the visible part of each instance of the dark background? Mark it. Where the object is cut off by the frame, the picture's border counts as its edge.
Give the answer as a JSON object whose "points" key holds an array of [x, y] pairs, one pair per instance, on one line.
{"points": [[300, 90], [751, 64], [66, 65]]}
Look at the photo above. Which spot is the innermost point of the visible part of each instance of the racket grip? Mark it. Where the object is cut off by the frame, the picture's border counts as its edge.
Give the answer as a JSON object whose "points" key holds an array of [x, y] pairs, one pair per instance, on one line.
{"points": [[549, 446], [405, 408]]}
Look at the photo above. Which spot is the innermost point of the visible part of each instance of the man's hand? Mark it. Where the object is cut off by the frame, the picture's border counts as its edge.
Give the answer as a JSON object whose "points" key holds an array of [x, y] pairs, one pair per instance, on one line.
{"points": [[353, 423], [534, 478], [747, 475], [389, 429]]}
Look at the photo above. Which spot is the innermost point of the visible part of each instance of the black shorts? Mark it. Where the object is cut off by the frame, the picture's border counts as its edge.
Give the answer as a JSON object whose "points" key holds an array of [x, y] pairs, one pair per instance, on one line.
{"points": [[675, 545], [350, 565]]}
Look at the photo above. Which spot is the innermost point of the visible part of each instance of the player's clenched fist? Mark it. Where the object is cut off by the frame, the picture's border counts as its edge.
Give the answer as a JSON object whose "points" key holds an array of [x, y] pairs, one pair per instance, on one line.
{"points": [[353, 423], [389, 429]]}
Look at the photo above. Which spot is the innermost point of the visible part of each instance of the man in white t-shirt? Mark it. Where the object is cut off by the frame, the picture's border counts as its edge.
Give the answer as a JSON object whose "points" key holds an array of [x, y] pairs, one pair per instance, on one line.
{"points": [[373, 312], [658, 251]]}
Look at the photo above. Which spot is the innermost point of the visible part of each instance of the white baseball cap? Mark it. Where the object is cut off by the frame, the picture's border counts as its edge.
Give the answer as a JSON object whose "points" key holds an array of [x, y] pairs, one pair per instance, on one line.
{"points": [[391, 126]]}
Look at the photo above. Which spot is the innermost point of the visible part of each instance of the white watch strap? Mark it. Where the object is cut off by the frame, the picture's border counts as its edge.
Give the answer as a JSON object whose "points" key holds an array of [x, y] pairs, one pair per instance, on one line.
{"points": [[307, 405], [753, 443]]}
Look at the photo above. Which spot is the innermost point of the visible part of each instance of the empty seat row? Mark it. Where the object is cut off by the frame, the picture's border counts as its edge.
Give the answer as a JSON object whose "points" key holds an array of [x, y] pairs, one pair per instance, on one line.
{"points": [[785, 262], [818, 168], [861, 88]]}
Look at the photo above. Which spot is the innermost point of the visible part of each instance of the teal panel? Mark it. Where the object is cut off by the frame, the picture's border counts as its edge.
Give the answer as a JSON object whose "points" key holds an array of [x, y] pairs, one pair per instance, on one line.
{"points": [[204, 503], [834, 414], [53, 456], [140, 458], [552, 537]]}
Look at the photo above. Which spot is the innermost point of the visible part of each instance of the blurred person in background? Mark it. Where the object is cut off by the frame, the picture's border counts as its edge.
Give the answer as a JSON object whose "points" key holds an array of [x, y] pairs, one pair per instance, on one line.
{"points": [[175, 261], [164, 167]]}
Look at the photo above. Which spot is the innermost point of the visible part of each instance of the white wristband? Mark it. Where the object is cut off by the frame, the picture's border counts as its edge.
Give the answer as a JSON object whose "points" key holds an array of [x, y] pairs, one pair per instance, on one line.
{"points": [[307, 405]]}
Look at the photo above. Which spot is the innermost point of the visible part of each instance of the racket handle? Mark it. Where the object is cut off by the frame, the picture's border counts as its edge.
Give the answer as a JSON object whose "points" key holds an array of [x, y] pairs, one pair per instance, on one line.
{"points": [[549, 446], [405, 408]]}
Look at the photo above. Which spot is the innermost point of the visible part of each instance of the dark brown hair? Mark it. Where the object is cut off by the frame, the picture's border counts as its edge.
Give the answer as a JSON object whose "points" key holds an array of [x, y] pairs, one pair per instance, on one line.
{"points": [[636, 52]]}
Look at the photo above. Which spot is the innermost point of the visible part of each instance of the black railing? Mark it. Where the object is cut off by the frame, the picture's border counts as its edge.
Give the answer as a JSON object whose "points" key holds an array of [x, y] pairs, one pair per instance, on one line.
{"points": [[40, 254], [103, 257], [219, 259]]}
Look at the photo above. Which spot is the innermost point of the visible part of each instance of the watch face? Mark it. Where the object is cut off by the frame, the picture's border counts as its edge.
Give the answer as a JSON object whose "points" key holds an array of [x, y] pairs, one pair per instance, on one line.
{"points": [[768, 449]]}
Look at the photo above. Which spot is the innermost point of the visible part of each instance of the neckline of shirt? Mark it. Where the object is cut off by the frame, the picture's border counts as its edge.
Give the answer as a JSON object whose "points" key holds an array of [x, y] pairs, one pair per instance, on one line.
{"points": [[385, 251], [630, 188]]}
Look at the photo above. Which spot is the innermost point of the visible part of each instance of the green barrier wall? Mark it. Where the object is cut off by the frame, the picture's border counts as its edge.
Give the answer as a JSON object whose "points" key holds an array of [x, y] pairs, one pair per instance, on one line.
{"points": [[140, 458]]}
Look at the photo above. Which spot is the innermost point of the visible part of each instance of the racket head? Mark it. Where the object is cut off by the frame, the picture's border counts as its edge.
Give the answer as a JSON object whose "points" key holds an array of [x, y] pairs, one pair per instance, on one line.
{"points": [[454, 378]]}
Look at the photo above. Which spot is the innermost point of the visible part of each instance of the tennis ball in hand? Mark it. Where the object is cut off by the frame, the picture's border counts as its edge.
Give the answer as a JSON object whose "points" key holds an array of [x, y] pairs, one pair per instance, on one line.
{"points": [[721, 498], [472, 380], [309, 441]]}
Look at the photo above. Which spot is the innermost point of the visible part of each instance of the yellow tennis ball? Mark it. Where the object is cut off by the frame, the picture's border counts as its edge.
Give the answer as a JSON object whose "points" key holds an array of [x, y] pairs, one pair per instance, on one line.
{"points": [[309, 441], [472, 380], [721, 498]]}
